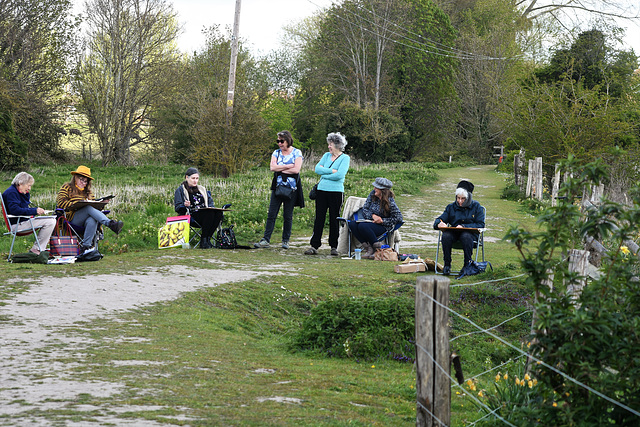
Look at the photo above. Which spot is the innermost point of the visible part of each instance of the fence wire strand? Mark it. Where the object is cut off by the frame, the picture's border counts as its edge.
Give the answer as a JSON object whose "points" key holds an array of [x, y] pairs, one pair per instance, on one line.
{"points": [[538, 361]]}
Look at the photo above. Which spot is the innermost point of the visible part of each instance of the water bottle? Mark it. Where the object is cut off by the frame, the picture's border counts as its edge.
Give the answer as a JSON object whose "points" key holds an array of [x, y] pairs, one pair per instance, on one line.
{"points": [[358, 254]]}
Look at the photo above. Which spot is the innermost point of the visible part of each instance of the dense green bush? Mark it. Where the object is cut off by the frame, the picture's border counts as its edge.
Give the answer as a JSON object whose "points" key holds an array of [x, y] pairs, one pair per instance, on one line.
{"points": [[363, 328]]}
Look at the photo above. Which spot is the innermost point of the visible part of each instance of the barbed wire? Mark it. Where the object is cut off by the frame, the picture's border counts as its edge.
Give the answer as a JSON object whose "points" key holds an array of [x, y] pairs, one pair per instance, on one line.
{"points": [[530, 356]]}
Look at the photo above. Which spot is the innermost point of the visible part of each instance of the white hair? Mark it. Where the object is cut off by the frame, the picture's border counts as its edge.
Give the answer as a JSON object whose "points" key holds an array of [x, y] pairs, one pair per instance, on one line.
{"points": [[338, 140], [462, 192], [22, 178]]}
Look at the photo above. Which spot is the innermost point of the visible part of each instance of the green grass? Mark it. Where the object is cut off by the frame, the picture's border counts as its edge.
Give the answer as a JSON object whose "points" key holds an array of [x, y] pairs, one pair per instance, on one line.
{"points": [[203, 351]]}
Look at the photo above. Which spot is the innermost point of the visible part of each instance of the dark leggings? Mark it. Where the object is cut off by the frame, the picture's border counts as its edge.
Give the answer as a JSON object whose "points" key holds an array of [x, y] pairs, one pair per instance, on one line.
{"points": [[332, 201], [366, 232], [465, 237]]}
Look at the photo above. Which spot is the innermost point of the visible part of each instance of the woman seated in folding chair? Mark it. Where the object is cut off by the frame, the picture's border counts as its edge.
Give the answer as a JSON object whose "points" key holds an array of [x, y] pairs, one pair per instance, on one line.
{"points": [[193, 199], [17, 199], [380, 215], [87, 217], [463, 213]]}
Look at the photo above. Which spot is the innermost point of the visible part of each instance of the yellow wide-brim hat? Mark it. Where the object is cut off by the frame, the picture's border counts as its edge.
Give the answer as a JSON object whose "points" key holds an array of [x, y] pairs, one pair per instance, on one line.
{"points": [[82, 170]]}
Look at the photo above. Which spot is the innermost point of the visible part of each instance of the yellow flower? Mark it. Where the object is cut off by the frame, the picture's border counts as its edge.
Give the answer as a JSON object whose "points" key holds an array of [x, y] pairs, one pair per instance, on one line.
{"points": [[535, 381], [527, 377], [522, 383], [625, 250], [469, 383], [498, 378], [517, 381], [555, 404], [373, 366], [506, 376], [473, 387], [480, 393], [530, 383]]}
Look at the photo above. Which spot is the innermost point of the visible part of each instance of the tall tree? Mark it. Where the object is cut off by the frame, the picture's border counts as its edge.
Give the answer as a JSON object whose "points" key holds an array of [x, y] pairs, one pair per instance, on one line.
{"points": [[194, 119], [128, 66], [36, 45]]}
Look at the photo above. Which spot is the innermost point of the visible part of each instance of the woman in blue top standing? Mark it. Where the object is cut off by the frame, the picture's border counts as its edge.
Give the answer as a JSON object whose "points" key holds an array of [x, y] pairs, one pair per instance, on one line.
{"points": [[332, 168], [286, 163]]}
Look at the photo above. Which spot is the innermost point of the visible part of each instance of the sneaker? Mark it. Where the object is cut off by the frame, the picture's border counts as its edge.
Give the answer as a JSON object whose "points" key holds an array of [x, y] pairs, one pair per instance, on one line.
{"points": [[334, 252], [263, 243], [311, 251], [285, 245]]}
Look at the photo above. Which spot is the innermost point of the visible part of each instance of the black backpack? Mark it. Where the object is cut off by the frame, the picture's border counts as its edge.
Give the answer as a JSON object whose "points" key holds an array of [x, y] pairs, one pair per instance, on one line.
{"points": [[226, 239]]}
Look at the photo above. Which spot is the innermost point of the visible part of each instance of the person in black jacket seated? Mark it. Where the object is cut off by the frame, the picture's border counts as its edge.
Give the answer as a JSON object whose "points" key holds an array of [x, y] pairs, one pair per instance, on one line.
{"points": [[463, 213], [193, 199]]}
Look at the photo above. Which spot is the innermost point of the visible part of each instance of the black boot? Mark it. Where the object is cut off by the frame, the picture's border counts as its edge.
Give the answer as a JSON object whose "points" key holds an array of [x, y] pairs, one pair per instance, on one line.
{"points": [[115, 226], [205, 243]]}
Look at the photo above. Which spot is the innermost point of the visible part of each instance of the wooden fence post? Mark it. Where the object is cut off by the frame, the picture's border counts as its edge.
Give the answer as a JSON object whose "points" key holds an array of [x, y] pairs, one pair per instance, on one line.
{"points": [[578, 263], [530, 178], [539, 179], [555, 186], [433, 383], [518, 166]]}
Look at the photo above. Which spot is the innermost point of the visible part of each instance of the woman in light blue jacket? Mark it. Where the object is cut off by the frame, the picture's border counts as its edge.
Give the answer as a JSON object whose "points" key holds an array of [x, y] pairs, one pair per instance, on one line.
{"points": [[332, 168]]}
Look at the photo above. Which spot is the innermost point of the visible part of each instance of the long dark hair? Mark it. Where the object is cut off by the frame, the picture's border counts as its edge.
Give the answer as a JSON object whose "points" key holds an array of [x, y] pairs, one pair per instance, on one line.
{"points": [[77, 192], [385, 195]]}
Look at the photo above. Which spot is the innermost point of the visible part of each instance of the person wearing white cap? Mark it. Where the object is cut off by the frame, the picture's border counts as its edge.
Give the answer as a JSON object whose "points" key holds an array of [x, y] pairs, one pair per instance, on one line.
{"points": [[381, 209], [463, 213]]}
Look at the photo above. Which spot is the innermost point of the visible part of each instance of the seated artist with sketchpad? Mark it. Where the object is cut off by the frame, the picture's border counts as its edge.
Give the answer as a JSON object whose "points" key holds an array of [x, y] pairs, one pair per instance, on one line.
{"points": [[193, 199], [463, 213]]}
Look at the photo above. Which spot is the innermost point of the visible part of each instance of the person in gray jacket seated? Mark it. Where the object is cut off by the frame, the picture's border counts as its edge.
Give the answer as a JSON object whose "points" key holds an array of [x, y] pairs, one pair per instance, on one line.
{"points": [[193, 199], [463, 213]]}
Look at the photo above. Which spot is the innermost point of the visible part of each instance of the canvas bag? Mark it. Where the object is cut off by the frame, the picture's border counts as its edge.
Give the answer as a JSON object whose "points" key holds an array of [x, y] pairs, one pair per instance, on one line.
{"points": [[31, 258], [63, 245], [175, 232], [385, 254]]}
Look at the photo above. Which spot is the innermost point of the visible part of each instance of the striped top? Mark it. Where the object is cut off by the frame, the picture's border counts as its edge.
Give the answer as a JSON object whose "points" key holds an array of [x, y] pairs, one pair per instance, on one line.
{"points": [[66, 200]]}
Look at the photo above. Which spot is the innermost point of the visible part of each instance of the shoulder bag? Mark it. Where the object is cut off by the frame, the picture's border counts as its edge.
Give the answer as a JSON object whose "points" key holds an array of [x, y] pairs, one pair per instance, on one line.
{"points": [[61, 245], [314, 190]]}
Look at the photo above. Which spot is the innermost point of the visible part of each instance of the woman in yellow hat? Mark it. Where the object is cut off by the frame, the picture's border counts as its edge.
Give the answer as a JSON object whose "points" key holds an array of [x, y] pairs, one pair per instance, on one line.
{"points": [[88, 217]]}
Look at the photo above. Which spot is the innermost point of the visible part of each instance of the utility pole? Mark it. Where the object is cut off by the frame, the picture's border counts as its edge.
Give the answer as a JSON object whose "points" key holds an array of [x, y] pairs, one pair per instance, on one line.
{"points": [[234, 60]]}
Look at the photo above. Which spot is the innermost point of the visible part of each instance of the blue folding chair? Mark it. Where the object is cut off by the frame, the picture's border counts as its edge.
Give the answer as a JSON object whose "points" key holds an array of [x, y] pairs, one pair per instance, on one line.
{"points": [[384, 237]]}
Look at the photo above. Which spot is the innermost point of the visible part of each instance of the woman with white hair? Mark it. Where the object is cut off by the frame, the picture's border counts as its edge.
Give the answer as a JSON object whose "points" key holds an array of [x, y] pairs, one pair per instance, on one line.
{"points": [[17, 199], [332, 168], [463, 213]]}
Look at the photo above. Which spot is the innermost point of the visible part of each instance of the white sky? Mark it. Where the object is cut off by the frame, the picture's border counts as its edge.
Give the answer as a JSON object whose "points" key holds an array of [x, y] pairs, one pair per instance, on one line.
{"points": [[261, 21]]}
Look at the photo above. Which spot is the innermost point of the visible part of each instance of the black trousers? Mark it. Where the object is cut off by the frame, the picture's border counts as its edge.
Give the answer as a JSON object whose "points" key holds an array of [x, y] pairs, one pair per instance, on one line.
{"points": [[331, 201], [207, 220], [465, 237]]}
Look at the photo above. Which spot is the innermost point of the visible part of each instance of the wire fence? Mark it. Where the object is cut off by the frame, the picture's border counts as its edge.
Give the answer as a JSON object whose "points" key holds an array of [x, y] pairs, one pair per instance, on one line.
{"points": [[489, 332]]}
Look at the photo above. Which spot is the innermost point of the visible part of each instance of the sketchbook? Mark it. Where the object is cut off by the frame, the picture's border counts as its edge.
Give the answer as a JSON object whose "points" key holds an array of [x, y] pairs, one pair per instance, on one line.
{"points": [[98, 203]]}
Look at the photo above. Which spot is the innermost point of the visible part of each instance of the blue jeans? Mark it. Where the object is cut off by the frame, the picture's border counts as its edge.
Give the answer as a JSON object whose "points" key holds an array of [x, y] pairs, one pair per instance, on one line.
{"points": [[287, 214], [89, 218]]}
